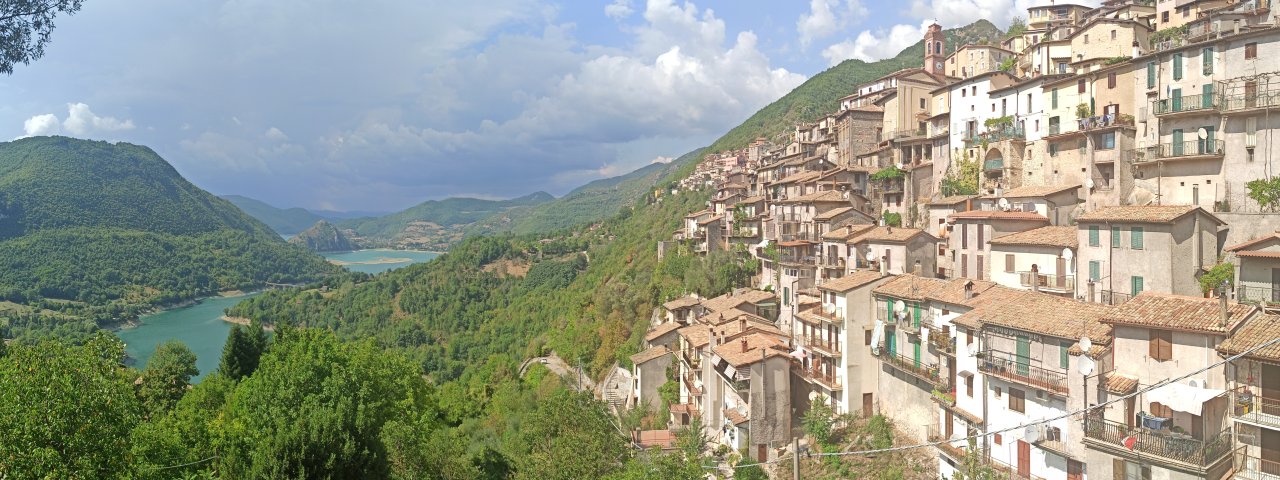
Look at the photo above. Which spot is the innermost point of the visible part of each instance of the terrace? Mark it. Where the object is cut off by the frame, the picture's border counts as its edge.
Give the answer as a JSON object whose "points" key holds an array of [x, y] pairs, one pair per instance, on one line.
{"points": [[1047, 282], [912, 366], [1182, 150], [1018, 369], [1171, 448], [1202, 103]]}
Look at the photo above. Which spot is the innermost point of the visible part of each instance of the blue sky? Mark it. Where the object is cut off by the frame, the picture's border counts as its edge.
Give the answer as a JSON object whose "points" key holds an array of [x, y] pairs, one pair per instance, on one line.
{"points": [[378, 105]]}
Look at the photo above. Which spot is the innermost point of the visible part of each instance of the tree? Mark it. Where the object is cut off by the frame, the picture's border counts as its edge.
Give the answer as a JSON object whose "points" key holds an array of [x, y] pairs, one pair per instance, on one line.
{"points": [[27, 27], [1016, 27], [167, 376], [65, 411], [818, 421], [692, 439], [1265, 191], [569, 435], [752, 472], [962, 178], [243, 351]]}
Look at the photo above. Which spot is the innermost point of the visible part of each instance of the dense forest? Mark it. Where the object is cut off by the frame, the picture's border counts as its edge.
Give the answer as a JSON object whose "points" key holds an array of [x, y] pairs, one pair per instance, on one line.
{"points": [[447, 212], [101, 232]]}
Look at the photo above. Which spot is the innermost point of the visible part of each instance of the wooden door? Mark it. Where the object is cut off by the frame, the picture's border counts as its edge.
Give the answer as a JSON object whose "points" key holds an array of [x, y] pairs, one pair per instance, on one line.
{"points": [[1060, 279], [950, 428], [1275, 284], [1075, 470], [1024, 459], [762, 452], [1270, 451], [1130, 417], [1271, 390], [867, 401]]}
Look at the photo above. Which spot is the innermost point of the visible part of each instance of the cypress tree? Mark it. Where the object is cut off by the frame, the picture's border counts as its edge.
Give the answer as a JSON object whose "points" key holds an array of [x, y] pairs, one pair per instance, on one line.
{"points": [[235, 354]]}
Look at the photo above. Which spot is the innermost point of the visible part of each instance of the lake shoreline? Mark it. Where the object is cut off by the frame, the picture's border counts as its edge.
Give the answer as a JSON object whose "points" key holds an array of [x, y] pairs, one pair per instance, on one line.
{"points": [[119, 325], [246, 322]]}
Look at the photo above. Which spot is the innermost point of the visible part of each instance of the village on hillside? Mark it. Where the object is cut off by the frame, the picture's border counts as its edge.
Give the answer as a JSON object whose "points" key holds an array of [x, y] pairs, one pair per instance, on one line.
{"points": [[1055, 257]]}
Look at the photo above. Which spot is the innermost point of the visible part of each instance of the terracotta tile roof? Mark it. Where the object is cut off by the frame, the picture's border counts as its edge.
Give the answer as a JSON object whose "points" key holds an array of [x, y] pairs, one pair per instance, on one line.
{"points": [[830, 214], [682, 302], [734, 299], [888, 234], [999, 215], [1264, 254], [799, 177], [1119, 384], [759, 346], [1256, 331], [1038, 191], [708, 221], [846, 232], [656, 438], [909, 287], [795, 243], [823, 196], [1042, 313], [851, 281], [735, 417], [952, 200], [698, 214], [755, 199], [660, 330], [1254, 242], [953, 291], [650, 354], [1049, 236], [1177, 312], [1142, 214], [696, 335]]}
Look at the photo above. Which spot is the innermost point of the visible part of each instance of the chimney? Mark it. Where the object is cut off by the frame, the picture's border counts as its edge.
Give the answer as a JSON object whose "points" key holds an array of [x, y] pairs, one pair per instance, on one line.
{"points": [[1137, 52], [888, 228], [713, 338], [968, 289], [1035, 278], [744, 345], [742, 324], [916, 269], [1222, 305], [1092, 285], [883, 271]]}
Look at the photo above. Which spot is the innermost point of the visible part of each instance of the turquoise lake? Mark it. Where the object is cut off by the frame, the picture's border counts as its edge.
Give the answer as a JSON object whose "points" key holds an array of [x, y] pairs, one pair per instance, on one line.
{"points": [[201, 328]]}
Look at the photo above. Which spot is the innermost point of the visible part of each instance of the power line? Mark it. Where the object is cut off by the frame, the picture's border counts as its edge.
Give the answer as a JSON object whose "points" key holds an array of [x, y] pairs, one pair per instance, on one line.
{"points": [[1037, 422], [183, 465]]}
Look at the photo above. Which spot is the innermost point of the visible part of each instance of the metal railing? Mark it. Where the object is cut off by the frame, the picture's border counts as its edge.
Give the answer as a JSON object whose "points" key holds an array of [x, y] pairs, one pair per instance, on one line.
{"points": [[1006, 366], [1169, 446], [1104, 121], [1000, 134], [1183, 149], [1186, 103], [1109, 297], [1256, 408], [1060, 283], [993, 164], [820, 344], [913, 367], [909, 133], [797, 259], [1255, 295], [831, 261], [1251, 100], [1248, 467]]}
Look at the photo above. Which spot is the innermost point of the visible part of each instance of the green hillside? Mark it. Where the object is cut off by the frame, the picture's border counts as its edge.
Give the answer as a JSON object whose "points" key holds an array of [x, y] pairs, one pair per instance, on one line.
{"points": [[443, 215], [821, 94], [104, 231], [285, 221]]}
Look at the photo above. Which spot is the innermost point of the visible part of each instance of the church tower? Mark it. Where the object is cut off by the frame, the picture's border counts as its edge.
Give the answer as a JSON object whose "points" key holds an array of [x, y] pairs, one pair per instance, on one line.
{"points": [[933, 50]]}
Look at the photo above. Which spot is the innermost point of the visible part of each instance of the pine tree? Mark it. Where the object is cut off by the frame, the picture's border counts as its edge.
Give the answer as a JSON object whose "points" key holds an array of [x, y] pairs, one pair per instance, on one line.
{"points": [[235, 355]]}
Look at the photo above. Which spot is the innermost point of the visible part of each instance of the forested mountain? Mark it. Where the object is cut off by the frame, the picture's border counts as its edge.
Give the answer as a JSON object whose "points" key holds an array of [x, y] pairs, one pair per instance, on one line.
{"points": [[285, 221], [323, 237], [820, 95], [103, 231], [433, 223]]}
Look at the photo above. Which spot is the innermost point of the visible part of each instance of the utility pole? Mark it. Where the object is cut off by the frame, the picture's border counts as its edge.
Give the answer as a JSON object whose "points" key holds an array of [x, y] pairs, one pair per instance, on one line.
{"points": [[795, 459]]}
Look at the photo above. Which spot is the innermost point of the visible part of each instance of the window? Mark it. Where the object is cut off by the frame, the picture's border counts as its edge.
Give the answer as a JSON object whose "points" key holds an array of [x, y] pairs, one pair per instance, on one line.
{"points": [[999, 440], [963, 93], [1206, 60], [1094, 241], [1151, 74], [866, 337], [1115, 237], [1113, 34], [786, 296], [1086, 39], [1135, 285], [922, 104], [1164, 16], [1161, 346], [1122, 470], [1177, 66], [1053, 98], [1064, 359], [979, 267], [1111, 80], [1095, 270], [968, 337], [964, 236], [1135, 238], [1053, 149], [1017, 400], [968, 385], [1080, 86], [1250, 50], [1107, 141], [997, 390], [974, 90], [1008, 263], [981, 230]]}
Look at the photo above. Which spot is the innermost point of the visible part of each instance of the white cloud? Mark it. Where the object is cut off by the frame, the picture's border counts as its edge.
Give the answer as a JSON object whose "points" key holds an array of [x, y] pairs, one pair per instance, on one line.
{"points": [[827, 17], [38, 125], [275, 134], [662, 159], [82, 121], [619, 9], [869, 46]]}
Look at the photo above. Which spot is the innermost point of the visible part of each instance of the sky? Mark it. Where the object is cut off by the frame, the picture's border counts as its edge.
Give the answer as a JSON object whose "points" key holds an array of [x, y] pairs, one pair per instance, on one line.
{"points": [[378, 104]]}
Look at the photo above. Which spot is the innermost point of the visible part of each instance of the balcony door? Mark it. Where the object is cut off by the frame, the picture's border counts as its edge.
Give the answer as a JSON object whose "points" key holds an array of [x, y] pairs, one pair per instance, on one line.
{"points": [[1275, 284], [1024, 459], [1271, 391], [1060, 277], [1024, 356], [1270, 450]]}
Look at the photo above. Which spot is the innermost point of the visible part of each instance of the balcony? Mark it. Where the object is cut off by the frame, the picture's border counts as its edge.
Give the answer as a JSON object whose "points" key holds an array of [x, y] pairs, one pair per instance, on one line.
{"points": [[997, 135], [1202, 103], [1101, 122], [1170, 447], [940, 131], [691, 384], [1254, 468], [820, 345], [800, 260], [832, 262], [1249, 101], [993, 165], [1258, 295], [1047, 282], [1006, 366], [942, 341], [1176, 150], [691, 359], [816, 376], [911, 366], [1113, 298], [793, 236], [909, 134], [1256, 409]]}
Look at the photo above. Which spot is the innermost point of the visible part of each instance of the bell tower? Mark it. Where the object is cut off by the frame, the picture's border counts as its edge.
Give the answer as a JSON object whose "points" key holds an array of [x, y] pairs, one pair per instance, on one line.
{"points": [[934, 50]]}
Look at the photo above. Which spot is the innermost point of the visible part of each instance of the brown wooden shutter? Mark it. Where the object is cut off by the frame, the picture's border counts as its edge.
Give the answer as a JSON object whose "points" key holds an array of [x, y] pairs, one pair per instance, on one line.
{"points": [[1153, 347], [1146, 472], [1008, 263], [1117, 469], [1166, 345]]}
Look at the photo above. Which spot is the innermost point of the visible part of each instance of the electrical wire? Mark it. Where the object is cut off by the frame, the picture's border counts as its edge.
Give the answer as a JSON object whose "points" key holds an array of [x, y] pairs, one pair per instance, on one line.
{"points": [[1037, 422]]}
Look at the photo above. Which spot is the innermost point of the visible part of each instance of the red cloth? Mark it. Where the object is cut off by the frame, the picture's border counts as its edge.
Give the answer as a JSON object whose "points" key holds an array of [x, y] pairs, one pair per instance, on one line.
{"points": [[1129, 442]]}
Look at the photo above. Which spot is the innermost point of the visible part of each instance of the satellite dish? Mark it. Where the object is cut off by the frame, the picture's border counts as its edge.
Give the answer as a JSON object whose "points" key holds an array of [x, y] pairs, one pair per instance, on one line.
{"points": [[1067, 254], [830, 308], [1202, 133], [901, 307], [1085, 343], [1004, 203], [1198, 383], [1031, 434], [1086, 365], [871, 256]]}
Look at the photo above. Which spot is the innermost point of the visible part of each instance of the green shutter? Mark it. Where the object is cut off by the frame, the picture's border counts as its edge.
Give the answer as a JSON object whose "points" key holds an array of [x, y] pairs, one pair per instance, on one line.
{"points": [[1064, 359], [1151, 74], [916, 311], [1054, 97], [1095, 270], [891, 341], [786, 296], [1135, 285], [888, 303], [1093, 236], [1024, 355], [1207, 146], [1206, 59], [1176, 101], [1135, 238], [1115, 237], [915, 352], [1206, 95], [1177, 142], [1177, 66]]}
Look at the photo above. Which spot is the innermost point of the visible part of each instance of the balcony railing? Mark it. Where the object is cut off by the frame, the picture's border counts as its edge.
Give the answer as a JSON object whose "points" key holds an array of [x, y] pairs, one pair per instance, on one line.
{"points": [[1183, 149], [942, 341], [1006, 366], [797, 259], [1256, 409], [1000, 134], [823, 346], [1187, 103], [995, 164], [1104, 121], [692, 359], [1109, 297], [831, 261], [1258, 295], [1057, 283], [1248, 467], [909, 133], [792, 236], [1168, 446], [1251, 100], [913, 367]]}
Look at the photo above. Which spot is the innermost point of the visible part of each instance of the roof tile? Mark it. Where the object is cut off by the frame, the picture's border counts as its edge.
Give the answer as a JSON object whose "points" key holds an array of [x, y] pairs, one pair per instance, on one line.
{"points": [[1140, 213], [1049, 236], [1256, 331], [1177, 312]]}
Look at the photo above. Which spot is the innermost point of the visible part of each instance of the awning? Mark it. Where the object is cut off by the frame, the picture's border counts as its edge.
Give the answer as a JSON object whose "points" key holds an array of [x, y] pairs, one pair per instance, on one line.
{"points": [[877, 334], [1183, 397]]}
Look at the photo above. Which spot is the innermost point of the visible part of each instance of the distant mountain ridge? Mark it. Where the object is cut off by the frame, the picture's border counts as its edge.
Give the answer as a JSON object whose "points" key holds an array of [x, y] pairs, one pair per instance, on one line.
{"points": [[323, 237], [285, 221], [434, 223]]}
